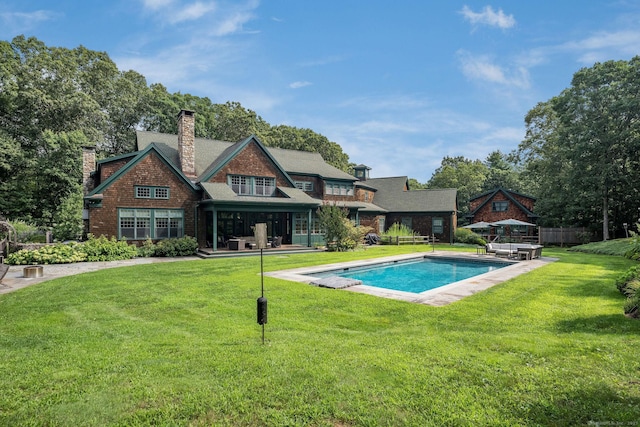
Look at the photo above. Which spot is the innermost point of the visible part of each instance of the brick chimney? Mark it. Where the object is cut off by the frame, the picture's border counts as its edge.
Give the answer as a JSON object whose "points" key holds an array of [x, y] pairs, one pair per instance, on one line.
{"points": [[186, 142], [88, 167]]}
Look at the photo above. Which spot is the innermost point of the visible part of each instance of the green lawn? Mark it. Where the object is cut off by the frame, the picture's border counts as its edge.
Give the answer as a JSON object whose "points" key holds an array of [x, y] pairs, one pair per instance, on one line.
{"points": [[178, 344]]}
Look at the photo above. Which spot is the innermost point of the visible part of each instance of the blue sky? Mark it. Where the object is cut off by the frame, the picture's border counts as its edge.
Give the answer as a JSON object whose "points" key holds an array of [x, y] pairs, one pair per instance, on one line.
{"points": [[399, 85]]}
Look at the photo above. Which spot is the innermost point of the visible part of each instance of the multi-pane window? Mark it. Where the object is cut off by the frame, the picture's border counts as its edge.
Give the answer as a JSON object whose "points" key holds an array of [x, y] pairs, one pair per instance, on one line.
{"points": [[168, 223], [304, 185], [249, 185], [146, 192], [135, 224], [437, 225], [301, 225], [264, 186], [240, 184], [339, 188], [500, 206]]}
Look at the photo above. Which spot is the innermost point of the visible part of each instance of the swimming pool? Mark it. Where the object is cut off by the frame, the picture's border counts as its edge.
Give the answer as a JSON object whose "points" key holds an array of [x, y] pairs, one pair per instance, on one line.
{"points": [[416, 275], [443, 295]]}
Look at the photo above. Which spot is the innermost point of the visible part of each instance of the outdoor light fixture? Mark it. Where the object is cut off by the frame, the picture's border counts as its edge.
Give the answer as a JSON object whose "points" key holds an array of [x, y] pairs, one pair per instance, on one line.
{"points": [[260, 231]]}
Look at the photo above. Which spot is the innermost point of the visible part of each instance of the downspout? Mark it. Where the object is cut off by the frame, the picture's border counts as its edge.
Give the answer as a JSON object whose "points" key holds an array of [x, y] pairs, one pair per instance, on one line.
{"points": [[196, 221]]}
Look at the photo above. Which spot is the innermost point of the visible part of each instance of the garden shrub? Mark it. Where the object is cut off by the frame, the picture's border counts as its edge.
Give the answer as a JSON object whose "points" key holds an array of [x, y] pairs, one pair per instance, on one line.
{"points": [[464, 235], [632, 306], [399, 230], [182, 246], [628, 283], [148, 249], [52, 254], [103, 249]]}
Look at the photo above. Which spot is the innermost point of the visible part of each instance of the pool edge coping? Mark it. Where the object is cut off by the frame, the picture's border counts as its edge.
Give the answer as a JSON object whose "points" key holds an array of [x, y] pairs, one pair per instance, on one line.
{"points": [[436, 297]]}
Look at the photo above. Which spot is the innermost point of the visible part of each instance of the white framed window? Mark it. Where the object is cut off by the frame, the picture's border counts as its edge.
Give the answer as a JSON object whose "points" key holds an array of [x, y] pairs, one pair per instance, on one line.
{"points": [[240, 184], [252, 185], [264, 186]]}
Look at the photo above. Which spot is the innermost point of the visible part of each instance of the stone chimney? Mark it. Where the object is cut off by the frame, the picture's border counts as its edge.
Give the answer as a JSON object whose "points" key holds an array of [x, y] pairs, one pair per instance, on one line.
{"points": [[88, 167], [186, 142]]}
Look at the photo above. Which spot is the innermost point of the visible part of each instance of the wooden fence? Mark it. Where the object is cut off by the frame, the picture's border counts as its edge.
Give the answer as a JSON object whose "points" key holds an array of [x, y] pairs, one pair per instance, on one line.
{"points": [[407, 240], [563, 236]]}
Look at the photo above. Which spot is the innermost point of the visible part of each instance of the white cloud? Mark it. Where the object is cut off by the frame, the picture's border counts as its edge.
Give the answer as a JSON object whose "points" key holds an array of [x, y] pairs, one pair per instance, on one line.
{"points": [[192, 12], [298, 85], [156, 4], [603, 46], [483, 69], [21, 21], [232, 24], [322, 61], [489, 17]]}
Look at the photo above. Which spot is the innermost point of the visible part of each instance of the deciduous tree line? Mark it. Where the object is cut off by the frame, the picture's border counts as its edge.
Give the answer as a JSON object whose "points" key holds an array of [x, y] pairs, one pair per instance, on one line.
{"points": [[580, 156], [54, 101]]}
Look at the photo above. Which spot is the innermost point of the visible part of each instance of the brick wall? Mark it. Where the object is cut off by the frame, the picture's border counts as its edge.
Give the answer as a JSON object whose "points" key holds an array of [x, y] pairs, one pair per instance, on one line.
{"points": [[487, 214], [150, 171], [252, 161]]}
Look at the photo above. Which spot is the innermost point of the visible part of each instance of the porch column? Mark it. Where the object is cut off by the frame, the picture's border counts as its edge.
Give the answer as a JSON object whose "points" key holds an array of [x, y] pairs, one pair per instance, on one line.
{"points": [[215, 229], [309, 224]]}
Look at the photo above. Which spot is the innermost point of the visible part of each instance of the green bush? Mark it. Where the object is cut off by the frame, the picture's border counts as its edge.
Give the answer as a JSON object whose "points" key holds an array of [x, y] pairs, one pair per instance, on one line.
{"points": [[464, 235], [103, 249], [629, 276], [52, 254], [628, 283], [183, 246], [632, 306], [399, 230], [148, 249]]}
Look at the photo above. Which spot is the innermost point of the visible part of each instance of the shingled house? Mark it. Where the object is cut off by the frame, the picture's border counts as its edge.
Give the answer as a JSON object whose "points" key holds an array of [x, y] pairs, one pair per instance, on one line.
{"points": [[178, 185]]}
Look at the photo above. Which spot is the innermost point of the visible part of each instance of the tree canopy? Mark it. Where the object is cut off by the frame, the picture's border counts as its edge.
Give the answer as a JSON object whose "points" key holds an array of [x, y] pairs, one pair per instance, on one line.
{"points": [[54, 100], [582, 148]]}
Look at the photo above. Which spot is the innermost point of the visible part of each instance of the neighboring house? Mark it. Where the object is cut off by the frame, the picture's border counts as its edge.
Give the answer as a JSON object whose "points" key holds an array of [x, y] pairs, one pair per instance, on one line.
{"points": [[181, 185], [500, 204]]}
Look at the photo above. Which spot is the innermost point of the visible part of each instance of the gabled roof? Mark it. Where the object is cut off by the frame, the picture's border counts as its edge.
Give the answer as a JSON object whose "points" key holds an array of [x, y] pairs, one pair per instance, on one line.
{"points": [[232, 151], [509, 195], [504, 190], [392, 196], [209, 152], [152, 148], [221, 192]]}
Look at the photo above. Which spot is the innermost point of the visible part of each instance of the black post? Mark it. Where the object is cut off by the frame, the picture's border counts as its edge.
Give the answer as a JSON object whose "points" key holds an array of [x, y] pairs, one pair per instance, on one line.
{"points": [[262, 301]]}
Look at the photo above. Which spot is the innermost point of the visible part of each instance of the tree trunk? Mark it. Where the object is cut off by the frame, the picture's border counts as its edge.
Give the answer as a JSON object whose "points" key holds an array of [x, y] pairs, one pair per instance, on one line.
{"points": [[605, 218]]}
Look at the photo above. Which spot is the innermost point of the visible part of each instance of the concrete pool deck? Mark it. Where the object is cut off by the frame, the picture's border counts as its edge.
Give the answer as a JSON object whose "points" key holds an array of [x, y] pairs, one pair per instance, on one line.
{"points": [[436, 297]]}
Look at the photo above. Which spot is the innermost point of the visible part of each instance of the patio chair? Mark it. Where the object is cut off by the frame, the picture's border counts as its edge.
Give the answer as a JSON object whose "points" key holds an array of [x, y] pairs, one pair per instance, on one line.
{"points": [[276, 242]]}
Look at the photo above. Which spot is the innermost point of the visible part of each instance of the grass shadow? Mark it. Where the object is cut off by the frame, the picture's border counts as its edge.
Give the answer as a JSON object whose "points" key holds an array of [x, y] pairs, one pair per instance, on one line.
{"points": [[597, 405], [601, 324]]}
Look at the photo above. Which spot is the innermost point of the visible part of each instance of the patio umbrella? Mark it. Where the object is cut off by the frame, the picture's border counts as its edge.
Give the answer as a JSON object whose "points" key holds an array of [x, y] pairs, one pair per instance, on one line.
{"points": [[478, 225], [511, 221]]}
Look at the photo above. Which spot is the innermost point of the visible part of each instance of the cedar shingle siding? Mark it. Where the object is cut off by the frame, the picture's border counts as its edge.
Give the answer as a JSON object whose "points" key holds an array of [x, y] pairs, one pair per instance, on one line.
{"points": [[204, 194]]}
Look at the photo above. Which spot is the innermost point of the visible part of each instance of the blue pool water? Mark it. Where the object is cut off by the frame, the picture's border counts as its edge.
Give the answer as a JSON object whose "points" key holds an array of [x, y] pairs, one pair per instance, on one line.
{"points": [[417, 275]]}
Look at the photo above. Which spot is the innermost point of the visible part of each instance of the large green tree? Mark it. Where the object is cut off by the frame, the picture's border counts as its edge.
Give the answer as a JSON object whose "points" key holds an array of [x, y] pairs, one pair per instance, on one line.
{"points": [[584, 146], [467, 176]]}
